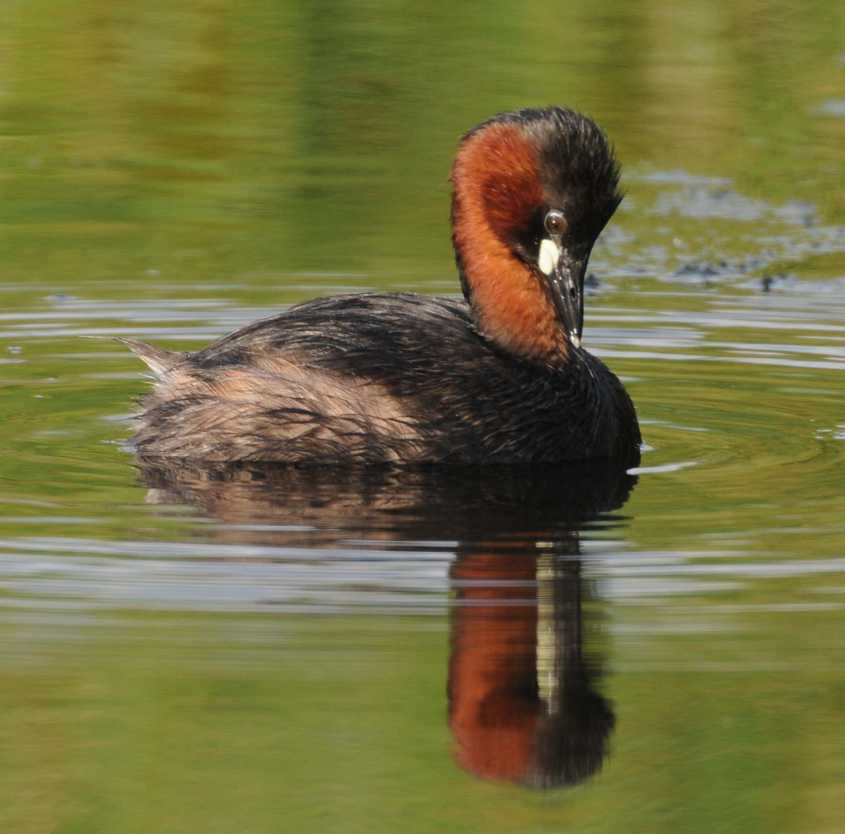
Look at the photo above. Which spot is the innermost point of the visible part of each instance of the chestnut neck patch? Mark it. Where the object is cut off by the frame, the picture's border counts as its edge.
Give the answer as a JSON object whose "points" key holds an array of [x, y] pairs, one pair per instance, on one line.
{"points": [[497, 195]]}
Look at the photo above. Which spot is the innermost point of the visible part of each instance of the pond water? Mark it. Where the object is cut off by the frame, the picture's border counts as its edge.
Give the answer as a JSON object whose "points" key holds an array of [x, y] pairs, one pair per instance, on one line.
{"points": [[503, 651]]}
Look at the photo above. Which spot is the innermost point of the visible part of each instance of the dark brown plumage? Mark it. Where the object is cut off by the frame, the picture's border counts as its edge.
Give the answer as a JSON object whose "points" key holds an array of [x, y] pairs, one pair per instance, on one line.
{"points": [[401, 378]]}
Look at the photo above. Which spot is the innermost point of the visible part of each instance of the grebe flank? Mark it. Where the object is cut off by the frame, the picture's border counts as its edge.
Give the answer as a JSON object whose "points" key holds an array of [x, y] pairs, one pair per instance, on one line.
{"points": [[500, 377]]}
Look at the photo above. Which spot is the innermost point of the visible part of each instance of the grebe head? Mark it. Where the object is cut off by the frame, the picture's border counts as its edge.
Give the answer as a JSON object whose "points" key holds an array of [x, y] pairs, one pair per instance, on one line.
{"points": [[532, 191]]}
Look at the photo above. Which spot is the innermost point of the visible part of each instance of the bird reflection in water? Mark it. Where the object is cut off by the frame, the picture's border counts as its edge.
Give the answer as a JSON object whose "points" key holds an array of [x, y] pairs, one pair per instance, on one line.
{"points": [[523, 699]]}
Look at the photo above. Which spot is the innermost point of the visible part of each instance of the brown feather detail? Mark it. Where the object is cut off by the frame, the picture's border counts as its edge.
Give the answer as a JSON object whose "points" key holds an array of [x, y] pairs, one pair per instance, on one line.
{"points": [[158, 360], [512, 306], [271, 410]]}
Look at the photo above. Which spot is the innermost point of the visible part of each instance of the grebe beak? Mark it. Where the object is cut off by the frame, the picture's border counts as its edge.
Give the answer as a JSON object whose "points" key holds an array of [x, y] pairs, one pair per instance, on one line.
{"points": [[565, 275]]}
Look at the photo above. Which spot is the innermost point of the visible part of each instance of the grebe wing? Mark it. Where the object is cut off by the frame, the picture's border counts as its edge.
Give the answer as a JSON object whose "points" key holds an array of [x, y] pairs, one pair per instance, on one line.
{"points": [[325, 381], [396, 339]]}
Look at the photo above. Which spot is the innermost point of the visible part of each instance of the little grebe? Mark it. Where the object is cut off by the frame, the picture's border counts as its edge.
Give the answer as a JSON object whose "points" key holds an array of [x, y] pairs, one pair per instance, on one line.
{"points": [[400, 378]]}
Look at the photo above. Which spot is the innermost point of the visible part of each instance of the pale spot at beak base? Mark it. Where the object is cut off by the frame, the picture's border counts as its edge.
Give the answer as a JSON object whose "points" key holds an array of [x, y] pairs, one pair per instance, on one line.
{"points": [[549, 255]]}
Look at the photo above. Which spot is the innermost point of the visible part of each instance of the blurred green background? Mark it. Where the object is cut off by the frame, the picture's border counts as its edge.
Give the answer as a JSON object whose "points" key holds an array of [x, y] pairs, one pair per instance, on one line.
{"points": [[205, 141]]}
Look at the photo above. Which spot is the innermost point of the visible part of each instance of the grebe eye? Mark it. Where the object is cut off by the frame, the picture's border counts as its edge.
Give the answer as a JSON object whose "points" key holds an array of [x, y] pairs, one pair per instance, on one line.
{"points": [[555, 223]]}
